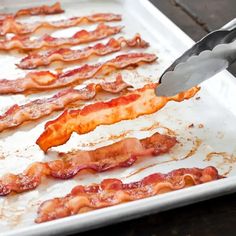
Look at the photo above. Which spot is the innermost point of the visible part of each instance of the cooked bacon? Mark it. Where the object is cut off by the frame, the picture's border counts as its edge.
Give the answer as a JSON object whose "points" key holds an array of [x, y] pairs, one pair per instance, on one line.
{"points": [[46, 57], [139, 102], [41, 10], [10, 25], [121, 154], [16, 115], [45, 80], [82, 36], [112, 192]]}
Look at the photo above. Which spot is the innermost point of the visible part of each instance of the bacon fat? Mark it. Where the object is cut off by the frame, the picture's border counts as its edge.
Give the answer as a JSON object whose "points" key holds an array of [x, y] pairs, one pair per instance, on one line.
{"points": [[130, 106], [45, 80], [112, 192], [46, 57], [117, 155]]}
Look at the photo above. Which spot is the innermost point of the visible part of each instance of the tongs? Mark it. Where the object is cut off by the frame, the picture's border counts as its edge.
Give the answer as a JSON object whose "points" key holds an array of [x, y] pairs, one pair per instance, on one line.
{"points": [[213, 53]]}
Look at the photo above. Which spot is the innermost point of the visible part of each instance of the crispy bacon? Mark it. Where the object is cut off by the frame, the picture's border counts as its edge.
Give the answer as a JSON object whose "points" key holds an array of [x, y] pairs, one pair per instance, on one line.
{"points": [[45, 80], [41, 10], [16, 115], [82, 36], [46, 57], [10, 25], [139, 102], [121, 154], [112, 192]]}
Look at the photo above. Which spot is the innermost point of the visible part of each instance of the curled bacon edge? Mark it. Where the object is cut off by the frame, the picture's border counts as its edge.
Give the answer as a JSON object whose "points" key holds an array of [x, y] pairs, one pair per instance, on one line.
{"points": [[139, 102], [46, 57], [45, 80], [40, 10], [82, 36], [17, 115], [117, 155], [10, 25], [112, 192]]}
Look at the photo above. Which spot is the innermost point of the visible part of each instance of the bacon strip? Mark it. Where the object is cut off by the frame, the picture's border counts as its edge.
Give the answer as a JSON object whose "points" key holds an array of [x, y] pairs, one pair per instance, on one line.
{"points": [[10, 25], [46, 57], [139, 102], [121, 154], [16, 115], [112, 192], [41, 10], [82, 36], [45, 80]]}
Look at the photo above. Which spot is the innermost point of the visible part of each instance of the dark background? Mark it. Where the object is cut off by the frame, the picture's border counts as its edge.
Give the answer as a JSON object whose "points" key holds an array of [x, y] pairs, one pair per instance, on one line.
{"points": [[213, 217]]}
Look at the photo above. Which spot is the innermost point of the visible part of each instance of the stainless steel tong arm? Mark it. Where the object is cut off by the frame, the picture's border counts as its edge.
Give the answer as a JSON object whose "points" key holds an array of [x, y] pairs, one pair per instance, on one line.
{"points": [[213, 53]]}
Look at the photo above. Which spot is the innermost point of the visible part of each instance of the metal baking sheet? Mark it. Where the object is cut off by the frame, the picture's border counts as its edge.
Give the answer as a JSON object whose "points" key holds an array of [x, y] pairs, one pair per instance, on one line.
{"points": [[212, 112]]}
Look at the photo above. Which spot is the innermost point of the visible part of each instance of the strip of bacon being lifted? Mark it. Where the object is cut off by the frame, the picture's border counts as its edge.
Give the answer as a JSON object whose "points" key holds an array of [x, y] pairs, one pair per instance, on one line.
{"points": [[41, 10], [112, 192], [10, 25], [82, 36], [46, 57], [130, 106], [45, 80], [121, 154], [16, 115]]}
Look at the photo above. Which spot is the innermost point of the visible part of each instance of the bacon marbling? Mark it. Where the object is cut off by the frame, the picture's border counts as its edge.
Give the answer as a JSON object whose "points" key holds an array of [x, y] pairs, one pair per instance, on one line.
{"points": [[16, 115], [10, 25], [130, 106], [112, 192], [46, 57], [33, 11], [47, 41], [117, 155], [45, 80]]}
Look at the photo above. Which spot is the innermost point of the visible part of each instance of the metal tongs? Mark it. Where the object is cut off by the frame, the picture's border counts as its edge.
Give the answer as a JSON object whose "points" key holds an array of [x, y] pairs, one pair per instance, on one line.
{"points": [[213, 53]]}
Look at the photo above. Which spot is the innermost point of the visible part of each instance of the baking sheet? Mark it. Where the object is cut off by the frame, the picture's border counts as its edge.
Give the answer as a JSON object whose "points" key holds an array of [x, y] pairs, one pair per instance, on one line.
{"points": [[212, 112]]}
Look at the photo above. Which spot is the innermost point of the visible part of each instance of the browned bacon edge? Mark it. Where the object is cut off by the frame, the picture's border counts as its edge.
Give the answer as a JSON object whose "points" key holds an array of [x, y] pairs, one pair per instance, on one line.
{"points": [[112, 192], [41, 10], [46, 57], [45, 80], [129, 106], [82, 36], [121, 154], [10, 25], [16, 115]]}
